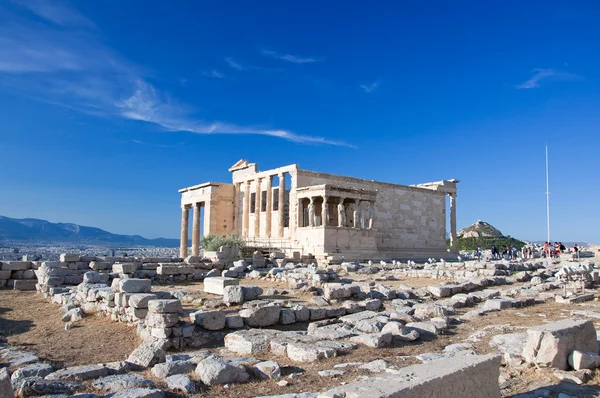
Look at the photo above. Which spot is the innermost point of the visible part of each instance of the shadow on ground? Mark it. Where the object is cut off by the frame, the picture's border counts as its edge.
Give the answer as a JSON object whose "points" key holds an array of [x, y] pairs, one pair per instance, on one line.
{"points": [[9, 327]]}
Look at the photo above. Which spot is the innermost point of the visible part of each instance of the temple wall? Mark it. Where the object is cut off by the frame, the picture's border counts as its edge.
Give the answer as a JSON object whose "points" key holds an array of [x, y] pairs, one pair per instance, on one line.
{"points": [[405, 217]]}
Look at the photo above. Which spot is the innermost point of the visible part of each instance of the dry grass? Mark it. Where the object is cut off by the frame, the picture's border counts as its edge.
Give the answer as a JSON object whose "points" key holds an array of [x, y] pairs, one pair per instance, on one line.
{"points": [[32, 323]]}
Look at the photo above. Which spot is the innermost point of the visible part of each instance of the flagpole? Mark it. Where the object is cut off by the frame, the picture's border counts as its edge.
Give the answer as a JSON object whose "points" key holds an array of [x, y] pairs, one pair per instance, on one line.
{"points": [[547, 196]]}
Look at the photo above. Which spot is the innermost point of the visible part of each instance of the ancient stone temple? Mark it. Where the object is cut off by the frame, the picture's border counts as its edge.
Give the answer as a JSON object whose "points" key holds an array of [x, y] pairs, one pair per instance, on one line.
{"points": [[322, 214]]}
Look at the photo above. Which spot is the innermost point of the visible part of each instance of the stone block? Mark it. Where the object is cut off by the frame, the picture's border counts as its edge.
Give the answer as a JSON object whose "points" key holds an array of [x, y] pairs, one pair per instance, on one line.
{"points": [[125, 268], [140, 300], [440, 291], [373, 340], [164, 306], [119, 382], [5, 274], [75, 373], [462, 376], [249, 342], [209, 320], [233, 295], [146, 355], [213, 371], [551, 344], [161, 320], [287, 316], [25, 284], [267, 370], [234, 322], [584, 360], [175, 269], [99, 265], [69, 258], [132, 285], [215, 285], [261, 316]]}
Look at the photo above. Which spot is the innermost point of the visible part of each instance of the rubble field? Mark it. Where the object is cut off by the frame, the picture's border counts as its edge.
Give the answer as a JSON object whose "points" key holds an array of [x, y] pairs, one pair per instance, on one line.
{"points": [[188, 327]]}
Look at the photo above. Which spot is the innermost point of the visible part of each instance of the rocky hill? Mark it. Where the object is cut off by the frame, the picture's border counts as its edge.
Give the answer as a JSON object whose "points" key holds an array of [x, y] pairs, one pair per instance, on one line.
{"points": [[480, 229], [484, 235], [34, 230]]}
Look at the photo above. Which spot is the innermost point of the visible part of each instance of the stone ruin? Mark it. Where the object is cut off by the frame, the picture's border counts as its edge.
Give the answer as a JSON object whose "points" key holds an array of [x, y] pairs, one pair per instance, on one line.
{"points": [[342, 315]]}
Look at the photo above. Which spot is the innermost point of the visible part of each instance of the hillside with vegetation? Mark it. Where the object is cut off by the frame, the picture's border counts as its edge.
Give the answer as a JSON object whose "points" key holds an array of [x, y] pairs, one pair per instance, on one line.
{"points": [[484, 235]]}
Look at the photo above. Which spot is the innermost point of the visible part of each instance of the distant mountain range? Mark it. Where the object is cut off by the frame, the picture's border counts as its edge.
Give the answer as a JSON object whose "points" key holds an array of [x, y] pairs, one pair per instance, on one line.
{"points": [[34, 230]]}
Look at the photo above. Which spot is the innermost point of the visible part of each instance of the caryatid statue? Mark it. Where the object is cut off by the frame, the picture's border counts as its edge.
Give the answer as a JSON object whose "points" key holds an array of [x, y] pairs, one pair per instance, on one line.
{"points": [[311, 213], [341, 213], [371, 214], [325, 215]]}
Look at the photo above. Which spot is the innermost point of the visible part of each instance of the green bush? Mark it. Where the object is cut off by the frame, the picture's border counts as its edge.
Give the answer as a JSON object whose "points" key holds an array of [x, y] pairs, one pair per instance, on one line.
{"points": [[486, 242], [212, 243]]}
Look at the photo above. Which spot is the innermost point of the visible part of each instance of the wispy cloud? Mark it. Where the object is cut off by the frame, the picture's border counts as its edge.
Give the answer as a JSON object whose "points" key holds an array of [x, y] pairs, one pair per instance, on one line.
{"points": [[56, 13], [234, 64], [64, 62], [214, 73], [370, 87], [290, 58], [540, 74]]}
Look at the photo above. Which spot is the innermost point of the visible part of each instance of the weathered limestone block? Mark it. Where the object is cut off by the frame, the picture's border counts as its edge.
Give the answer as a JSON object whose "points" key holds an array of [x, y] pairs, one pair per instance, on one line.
{"points": [[146, 355], [464, 376], [140, 300], [399, 332], [215, 285], [302, 313], [181, 383], [551, 344], [164, 306], [175, 269], [249, 342], [99, 266], [584, 360], [251, 292], [133, 285], [287, 316], [37, 386], [116, 383], [267, 370], [233, 295], [69, 257], [25, 284], [36, 369], [209, 320], [213, 371], [339, 291], [166, 369], [75, 373], [125, 268], [440, 291], [261, 316], [306, 353], [373, 340]]}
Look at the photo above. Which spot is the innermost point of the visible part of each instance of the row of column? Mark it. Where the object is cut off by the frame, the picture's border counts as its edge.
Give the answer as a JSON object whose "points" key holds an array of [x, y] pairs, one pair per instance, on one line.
{"points": [[258, 206], [185, 215], [359, 213]]}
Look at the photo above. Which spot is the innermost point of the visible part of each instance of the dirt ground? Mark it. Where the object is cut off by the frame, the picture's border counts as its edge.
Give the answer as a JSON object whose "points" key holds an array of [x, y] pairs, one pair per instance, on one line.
{"points": [[30, 322]]}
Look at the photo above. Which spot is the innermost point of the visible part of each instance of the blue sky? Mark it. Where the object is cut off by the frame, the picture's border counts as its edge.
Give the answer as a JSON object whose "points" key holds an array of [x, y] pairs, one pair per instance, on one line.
{"points": [[109, 107]]}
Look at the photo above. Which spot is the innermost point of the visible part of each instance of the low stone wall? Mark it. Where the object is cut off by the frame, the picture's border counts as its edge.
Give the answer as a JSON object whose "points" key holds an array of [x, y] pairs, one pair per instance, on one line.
{"points": [[18, 275], [462, 376]]}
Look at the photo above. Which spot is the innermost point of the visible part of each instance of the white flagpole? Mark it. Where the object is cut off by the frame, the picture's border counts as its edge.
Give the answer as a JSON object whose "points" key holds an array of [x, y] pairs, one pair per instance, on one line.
{"points": [[547, 195]]}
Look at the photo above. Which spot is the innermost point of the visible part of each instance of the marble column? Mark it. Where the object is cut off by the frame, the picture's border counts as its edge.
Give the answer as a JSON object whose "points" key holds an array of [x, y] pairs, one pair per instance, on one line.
{"points": [[280, 209], [269, 207], [257, 206], [196, 230], [183, 243], [325, 212], [236, 208], [355, 214], [246, 209], [453, 236]]}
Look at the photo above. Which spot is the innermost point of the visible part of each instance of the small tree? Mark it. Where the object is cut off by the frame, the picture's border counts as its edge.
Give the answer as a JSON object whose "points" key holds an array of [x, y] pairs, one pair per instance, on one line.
{"points": [[212, 243]]}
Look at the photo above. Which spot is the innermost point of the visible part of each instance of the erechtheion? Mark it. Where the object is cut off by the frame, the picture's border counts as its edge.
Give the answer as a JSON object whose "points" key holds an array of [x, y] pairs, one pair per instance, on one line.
{"points": [[322, 214]]}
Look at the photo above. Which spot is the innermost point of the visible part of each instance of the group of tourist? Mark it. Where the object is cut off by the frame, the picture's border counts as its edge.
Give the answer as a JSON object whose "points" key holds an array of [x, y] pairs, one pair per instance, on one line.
{"points": [[548, 250]]}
